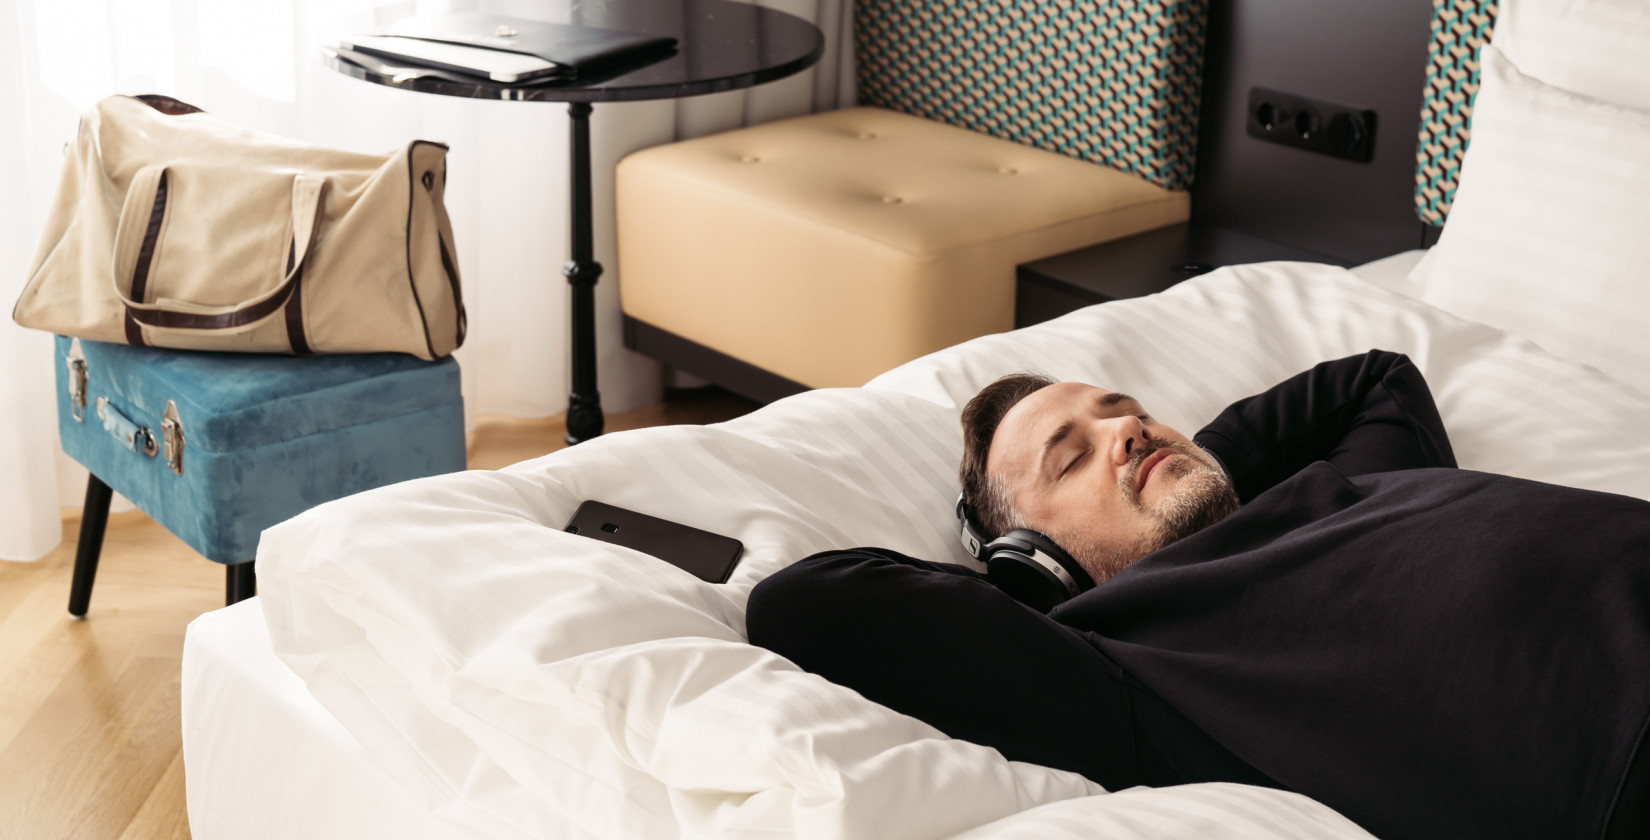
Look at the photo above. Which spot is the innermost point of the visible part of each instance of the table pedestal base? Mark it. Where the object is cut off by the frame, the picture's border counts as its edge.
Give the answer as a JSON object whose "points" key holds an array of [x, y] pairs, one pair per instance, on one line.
{"points": [[584, 404]]}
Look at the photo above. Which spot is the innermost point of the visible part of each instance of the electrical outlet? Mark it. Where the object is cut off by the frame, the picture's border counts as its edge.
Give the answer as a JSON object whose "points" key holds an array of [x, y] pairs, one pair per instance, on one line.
{"points": [[1314, 125]]}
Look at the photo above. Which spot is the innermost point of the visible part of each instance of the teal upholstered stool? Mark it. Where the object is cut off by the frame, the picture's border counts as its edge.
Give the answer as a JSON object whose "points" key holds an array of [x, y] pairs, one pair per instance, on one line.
{"points": [[216, 447]]}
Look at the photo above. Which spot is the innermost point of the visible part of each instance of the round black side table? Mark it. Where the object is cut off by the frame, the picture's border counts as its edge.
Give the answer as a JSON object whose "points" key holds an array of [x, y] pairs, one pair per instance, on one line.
{"points": [[720, 45]]}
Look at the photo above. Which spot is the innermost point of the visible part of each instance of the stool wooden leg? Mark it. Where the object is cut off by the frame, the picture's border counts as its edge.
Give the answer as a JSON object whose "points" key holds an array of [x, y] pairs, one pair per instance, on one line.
{"points": [[240, 582], [94, 518]]}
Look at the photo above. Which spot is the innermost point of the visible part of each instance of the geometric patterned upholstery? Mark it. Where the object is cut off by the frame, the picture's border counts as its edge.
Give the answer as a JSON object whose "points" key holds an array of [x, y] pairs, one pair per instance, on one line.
{"points": [[1459, 29], [1112, 82]]}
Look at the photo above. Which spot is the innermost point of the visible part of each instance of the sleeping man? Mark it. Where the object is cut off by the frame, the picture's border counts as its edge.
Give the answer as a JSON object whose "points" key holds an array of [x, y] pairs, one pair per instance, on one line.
{"points": [[1306, 595]]}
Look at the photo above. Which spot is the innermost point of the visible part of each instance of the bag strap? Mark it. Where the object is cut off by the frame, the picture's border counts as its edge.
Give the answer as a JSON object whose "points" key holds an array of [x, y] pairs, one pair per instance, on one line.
{"points": [[146, 199]]}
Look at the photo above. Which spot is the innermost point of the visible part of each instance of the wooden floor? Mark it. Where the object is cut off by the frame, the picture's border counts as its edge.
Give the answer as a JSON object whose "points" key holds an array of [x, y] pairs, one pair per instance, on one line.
{"points": [[90, 733]]}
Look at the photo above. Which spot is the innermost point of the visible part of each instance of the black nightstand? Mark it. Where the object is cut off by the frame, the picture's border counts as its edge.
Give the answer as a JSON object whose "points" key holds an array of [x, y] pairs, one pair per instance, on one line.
{"points": [[1138, 265]]}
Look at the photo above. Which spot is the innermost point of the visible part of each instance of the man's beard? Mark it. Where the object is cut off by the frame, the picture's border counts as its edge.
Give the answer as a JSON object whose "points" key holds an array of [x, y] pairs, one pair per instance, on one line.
{"points": [[1202, 496]]}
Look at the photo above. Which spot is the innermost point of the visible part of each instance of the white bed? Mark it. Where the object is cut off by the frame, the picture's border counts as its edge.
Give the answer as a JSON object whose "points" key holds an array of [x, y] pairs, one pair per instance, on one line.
{"points": [[439, 659]]}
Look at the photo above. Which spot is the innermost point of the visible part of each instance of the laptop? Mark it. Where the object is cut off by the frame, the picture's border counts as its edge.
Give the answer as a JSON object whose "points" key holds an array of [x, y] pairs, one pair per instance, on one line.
{"points": [[510, 50], [496, 65]]}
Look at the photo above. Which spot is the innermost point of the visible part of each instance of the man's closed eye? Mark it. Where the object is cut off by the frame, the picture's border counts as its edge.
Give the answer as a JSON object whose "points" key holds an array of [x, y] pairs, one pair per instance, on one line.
{"points": [[1073, 462]]}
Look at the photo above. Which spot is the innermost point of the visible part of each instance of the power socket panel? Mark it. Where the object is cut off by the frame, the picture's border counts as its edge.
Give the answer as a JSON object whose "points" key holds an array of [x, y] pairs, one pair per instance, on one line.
{"points": [[1328, 128]]}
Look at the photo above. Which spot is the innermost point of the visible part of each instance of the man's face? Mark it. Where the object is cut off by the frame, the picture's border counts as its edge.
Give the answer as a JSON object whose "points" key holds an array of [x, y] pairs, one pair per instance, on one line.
{"points": [[1097, 474]]}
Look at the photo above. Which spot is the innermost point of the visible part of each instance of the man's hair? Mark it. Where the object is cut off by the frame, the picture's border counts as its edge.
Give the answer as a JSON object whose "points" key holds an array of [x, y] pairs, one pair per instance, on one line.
{"points": [[988, 497]]}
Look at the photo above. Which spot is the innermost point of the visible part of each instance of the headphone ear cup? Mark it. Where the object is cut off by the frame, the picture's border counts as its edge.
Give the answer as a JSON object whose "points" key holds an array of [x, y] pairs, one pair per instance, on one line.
{"points": [[1034, 570]]}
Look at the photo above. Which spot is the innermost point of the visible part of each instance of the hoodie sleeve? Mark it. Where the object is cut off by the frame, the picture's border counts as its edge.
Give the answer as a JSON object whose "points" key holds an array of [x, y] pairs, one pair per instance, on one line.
{"points": [[1363, 414]]}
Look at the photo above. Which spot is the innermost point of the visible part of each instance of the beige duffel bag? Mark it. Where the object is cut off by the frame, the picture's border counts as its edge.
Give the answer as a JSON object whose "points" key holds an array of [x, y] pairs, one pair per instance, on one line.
{"points": [[173, 228]]}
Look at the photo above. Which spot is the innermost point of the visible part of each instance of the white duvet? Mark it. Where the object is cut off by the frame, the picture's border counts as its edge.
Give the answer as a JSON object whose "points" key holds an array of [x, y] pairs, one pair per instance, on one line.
{"points": [[525, 682]]}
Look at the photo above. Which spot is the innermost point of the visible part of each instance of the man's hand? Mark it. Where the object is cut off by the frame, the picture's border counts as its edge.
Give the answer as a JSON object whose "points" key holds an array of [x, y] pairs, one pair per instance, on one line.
{"points": [[1363, 414]]}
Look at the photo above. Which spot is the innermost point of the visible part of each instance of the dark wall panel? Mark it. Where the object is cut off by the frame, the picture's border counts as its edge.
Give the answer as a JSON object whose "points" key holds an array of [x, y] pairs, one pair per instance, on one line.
{"points": [[1370, 54]]}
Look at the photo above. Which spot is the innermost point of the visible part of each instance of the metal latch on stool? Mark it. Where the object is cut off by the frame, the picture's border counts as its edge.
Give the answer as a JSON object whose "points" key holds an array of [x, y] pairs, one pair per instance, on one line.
{"points": [[77, 381], [172, 430]]}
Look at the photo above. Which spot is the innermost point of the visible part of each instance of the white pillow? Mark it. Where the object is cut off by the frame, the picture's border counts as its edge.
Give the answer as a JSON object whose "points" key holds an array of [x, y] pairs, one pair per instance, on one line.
{"points": [[1597, 48], [1549, 235]]}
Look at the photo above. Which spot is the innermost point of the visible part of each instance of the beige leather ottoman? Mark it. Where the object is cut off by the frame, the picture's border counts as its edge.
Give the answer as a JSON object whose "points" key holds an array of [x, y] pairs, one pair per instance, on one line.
{"points": [[830, 248]]}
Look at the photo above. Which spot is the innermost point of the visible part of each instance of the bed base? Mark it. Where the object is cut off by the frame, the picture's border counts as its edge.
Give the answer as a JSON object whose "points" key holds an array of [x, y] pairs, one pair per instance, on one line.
{"points": [[742, 378]]}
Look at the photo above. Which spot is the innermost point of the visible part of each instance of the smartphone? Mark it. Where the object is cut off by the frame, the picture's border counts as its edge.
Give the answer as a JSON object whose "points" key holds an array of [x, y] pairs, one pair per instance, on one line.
{"points": [[710, 557]]}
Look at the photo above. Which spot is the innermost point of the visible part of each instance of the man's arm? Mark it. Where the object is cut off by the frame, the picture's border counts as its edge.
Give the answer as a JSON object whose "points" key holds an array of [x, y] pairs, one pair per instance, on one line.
{"points": [[1363, 414], [940, 643]]}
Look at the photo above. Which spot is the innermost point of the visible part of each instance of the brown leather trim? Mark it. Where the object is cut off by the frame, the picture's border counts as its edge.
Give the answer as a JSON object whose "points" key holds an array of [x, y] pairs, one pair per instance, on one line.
{"points": [[134, 332], [167, 105], [412, 179], [225, 320], [458, 292], [146, 257], [295, 308], [146, 253], [197, 321]]}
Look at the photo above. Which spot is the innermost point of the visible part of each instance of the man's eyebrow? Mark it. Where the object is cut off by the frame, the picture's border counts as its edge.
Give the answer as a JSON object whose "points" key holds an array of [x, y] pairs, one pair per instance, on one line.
{"points": [[1116, 397], [1053, 440]]}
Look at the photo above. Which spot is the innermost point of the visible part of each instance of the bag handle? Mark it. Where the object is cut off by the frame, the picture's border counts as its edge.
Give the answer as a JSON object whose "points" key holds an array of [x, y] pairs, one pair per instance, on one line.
{"points": [[134, 437], [147, 198]]}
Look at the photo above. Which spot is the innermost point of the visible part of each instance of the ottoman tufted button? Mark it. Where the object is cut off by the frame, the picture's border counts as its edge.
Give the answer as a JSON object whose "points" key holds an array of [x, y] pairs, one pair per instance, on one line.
{"points": [[867, 135], [1007, 170], [892, 199], [749, 159]]}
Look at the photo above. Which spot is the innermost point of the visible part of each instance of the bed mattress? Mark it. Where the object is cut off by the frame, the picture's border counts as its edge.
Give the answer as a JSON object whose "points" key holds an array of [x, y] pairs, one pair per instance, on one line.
{"points": [[262, 758], [470, 666]]}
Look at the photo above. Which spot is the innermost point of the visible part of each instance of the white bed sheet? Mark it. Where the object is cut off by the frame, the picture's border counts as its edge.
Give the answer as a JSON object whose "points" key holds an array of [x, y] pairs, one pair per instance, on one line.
{"points": [[263, 759], [506, 679], [1393, 272]]}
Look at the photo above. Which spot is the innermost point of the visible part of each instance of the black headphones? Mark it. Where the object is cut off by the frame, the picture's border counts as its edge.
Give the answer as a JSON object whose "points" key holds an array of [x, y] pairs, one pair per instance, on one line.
{"points": [[1030, 567]]}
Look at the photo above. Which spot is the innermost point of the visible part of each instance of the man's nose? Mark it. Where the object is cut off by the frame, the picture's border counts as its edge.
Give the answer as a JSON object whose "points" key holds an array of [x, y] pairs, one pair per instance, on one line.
{"points": [[1128, 432]]}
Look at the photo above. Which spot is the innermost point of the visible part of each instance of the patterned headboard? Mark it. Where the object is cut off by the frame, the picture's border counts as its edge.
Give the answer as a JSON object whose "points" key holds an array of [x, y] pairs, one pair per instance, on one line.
{"points": [[1113, 82], [1459, 29]]}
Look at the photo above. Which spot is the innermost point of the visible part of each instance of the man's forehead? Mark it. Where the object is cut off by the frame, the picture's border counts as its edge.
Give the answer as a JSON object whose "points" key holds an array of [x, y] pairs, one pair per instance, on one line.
{"points": [[1020, 435]]}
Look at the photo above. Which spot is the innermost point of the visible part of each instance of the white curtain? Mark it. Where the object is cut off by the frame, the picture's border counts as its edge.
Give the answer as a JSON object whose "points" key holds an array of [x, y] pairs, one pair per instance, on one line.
{"points": [[257, 63]]}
